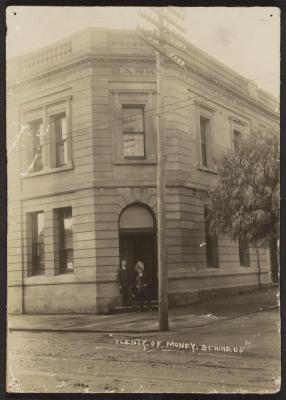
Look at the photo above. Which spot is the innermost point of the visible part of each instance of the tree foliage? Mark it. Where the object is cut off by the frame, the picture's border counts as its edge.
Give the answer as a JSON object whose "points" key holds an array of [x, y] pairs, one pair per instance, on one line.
{"points": [[245, 202]]}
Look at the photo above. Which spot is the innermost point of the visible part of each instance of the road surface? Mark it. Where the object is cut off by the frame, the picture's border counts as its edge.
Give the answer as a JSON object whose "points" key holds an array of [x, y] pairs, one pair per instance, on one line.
{"points": [[237, 355]]}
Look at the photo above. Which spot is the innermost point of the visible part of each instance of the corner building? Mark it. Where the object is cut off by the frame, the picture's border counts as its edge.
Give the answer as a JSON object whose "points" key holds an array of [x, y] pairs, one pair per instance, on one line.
{"points": [[82, 160]]}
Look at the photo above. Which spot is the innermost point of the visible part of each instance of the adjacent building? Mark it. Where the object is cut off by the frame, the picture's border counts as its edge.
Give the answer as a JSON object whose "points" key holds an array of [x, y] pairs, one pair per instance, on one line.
{"points": [[82, 161]]}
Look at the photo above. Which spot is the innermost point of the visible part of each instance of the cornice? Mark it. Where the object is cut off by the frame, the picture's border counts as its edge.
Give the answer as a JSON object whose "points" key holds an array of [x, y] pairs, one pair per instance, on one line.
{"points": [[135, 58], [231, 91], [85, 59]]}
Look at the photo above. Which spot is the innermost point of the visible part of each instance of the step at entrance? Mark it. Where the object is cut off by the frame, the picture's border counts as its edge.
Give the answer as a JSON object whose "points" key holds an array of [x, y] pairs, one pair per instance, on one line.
{"points": [[136, 307]]}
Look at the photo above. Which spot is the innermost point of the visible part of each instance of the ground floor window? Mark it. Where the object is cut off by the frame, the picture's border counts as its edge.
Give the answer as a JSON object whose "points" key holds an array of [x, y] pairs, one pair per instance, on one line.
{"points": [[243, 252], [38, 246], [211, 246], [65, 224]]}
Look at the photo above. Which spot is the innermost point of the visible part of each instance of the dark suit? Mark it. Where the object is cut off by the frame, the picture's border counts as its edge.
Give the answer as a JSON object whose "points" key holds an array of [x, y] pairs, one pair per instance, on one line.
{"points": [[124, 284], [143, 289]]}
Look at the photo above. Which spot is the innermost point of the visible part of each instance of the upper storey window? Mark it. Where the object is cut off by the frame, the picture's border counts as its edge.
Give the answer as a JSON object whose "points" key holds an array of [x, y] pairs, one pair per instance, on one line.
{"points": [[205, 125], [205, 137], [133, 132], [238, 129], [59, 125], [236, 140], [134, 139], [37, 144], [48, 139]]}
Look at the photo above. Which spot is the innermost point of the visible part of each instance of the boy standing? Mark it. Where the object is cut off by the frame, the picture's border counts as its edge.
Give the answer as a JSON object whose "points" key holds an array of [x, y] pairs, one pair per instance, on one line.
{"points": [[124, 282]]}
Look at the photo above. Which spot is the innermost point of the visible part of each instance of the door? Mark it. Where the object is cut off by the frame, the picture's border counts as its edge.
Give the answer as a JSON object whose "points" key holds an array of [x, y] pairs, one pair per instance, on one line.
{"points": [[141, 246]]}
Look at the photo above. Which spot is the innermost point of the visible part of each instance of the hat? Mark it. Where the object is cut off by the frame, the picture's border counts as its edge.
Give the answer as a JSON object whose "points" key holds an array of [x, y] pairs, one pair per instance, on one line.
{"points": [[139, 266]]}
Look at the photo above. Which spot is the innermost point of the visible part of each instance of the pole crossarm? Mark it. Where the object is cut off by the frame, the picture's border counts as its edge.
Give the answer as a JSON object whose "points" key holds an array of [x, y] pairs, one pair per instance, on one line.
{"points": [[170, 15], [162, 37], [153, 40]]}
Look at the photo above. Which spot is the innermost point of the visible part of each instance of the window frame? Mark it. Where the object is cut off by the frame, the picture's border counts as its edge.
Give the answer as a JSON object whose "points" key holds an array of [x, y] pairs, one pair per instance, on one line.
{"points": [[244, 253], [35, 267], [207, 112], [143, 133], [212, 246], [32, 147], [204, 142], [236, 137], [241, 126], [61, 240], [58, 141], [44, 112], [53, 111], [129, 95], [27, 140]]}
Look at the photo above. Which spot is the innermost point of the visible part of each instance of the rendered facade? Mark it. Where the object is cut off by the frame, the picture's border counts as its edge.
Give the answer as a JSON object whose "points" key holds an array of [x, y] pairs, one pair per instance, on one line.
{"points": [[81, 140]]}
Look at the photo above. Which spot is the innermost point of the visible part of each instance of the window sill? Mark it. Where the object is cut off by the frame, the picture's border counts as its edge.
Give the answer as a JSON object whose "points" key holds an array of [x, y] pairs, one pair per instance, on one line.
{"points": [[46, 171], [37, 274], [208, 272], [65, 272], [49, 279], [135, 162], [207, 169]]}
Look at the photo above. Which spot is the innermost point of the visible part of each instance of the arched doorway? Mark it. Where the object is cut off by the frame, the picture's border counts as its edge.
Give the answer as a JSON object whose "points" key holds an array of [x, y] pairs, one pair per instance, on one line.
{"points": [[137, 241]]}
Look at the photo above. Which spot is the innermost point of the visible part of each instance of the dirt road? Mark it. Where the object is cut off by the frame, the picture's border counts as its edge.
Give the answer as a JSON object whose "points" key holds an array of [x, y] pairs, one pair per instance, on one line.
{"points": [[238, 355]]}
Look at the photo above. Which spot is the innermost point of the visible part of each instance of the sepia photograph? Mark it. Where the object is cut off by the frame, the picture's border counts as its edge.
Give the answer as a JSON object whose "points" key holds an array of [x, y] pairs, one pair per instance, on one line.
{"points": [[143, 162]]}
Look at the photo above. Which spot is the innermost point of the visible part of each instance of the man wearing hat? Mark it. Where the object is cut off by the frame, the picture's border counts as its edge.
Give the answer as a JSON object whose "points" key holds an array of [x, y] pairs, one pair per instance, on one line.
{"points": [[142, 284]]}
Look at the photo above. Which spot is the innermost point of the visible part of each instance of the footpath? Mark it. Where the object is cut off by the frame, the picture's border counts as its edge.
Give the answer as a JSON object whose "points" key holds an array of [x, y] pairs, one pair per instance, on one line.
{"points": [[211, 311]]}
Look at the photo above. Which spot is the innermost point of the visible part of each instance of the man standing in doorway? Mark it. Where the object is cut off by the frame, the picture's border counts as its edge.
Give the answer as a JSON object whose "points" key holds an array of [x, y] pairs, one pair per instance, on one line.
{"points": [[142, 285], [124, 282]]}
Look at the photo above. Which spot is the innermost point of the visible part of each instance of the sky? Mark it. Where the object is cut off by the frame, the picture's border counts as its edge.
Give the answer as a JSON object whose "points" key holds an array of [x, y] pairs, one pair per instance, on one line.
{"points": [[247, 39]]}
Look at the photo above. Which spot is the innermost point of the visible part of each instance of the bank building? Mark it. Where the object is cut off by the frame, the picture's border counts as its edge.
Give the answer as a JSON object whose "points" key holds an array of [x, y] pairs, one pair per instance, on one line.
{"points": [[82, 164]]}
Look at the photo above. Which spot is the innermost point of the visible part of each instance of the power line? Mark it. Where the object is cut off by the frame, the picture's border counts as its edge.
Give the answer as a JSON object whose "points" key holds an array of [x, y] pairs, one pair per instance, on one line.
{"points": [[25, 173], [77, 133]]}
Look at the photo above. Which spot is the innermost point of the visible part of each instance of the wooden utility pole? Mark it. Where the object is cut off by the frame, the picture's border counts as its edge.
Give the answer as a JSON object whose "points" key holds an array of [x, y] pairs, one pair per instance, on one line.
{"points": [[158, 41], [161, 191]]}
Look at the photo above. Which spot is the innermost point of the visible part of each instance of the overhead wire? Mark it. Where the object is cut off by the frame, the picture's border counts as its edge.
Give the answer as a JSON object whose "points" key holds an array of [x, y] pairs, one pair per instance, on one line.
{"points": [[25, 173], [110, 124], [113, 123]]}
